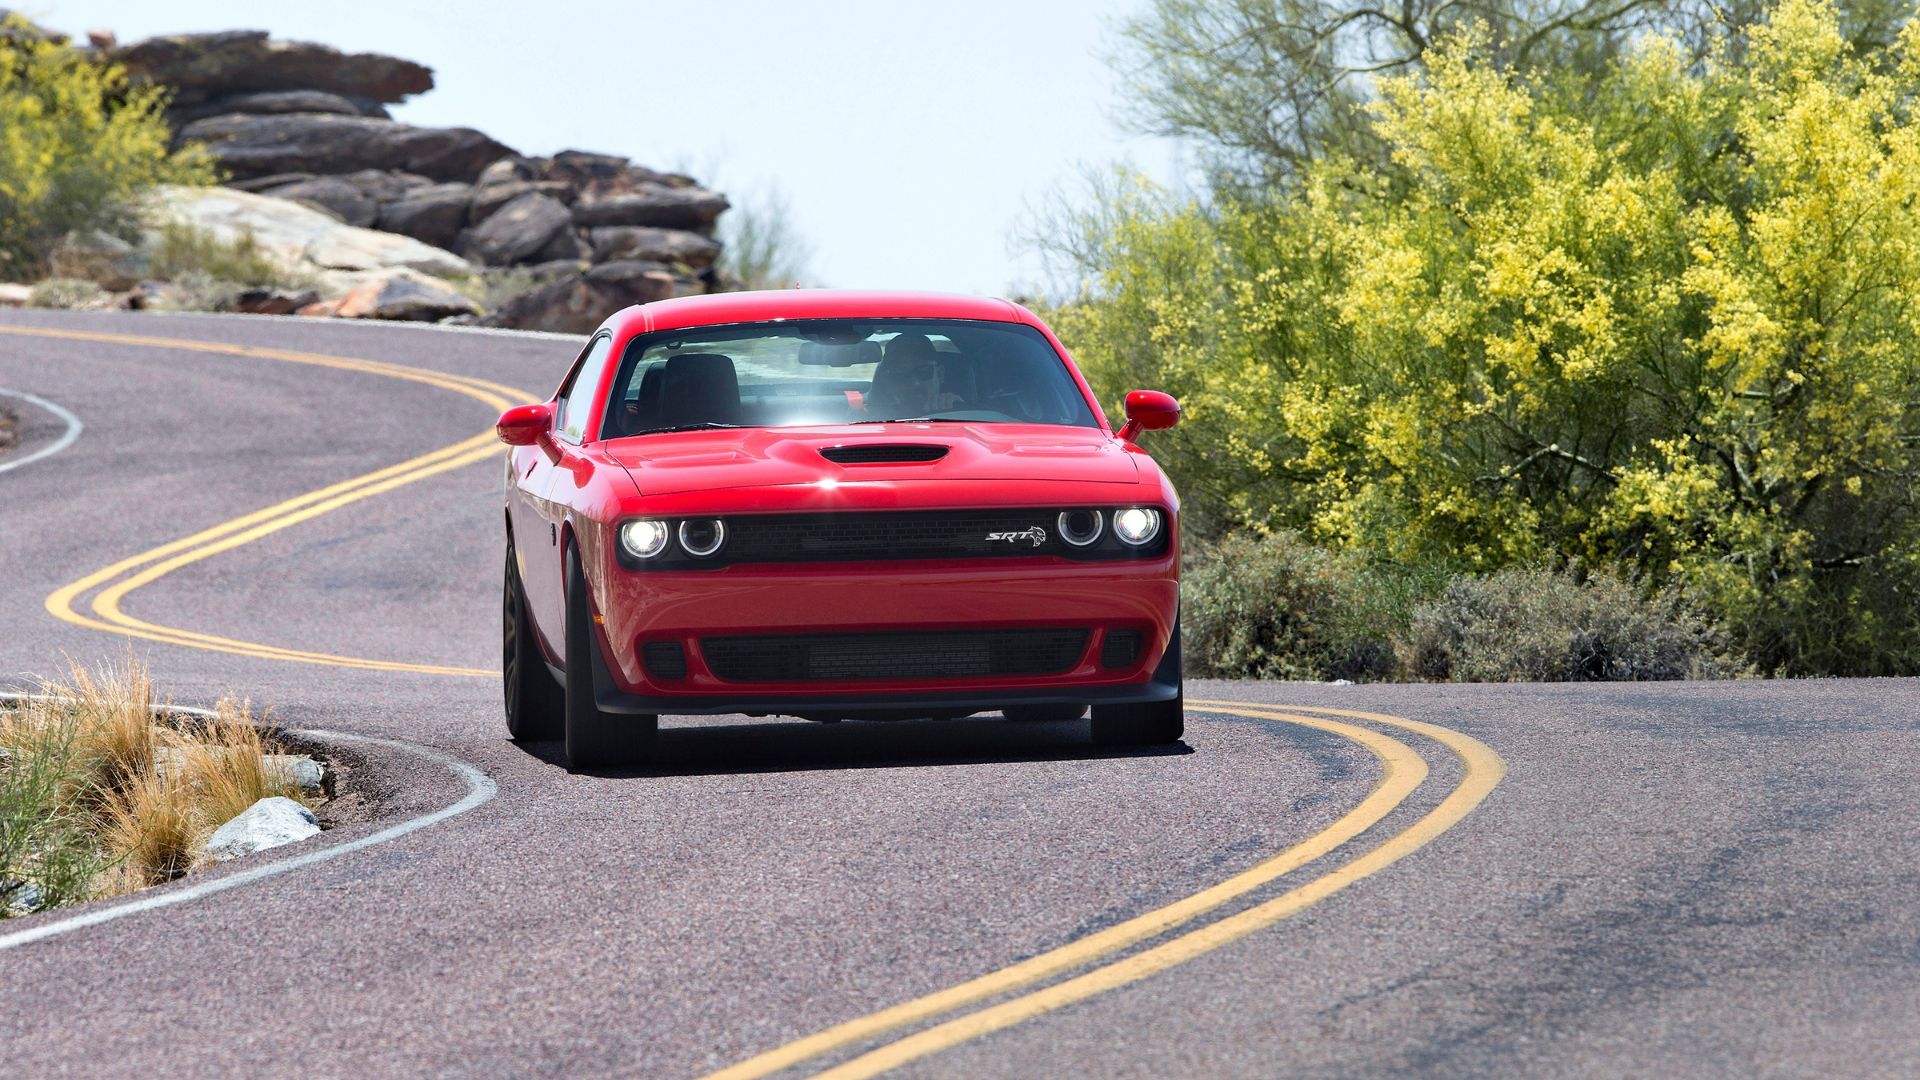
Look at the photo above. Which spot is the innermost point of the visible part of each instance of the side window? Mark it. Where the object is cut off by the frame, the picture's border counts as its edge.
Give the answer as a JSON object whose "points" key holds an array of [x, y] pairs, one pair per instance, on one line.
{"points": [[578, 400]]}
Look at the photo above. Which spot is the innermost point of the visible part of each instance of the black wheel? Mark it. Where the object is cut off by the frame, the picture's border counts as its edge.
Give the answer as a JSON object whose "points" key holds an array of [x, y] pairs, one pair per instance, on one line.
{"points": [[1154, 723], [595, 739], [1151, 724], [1043, 714], [535, 708]]}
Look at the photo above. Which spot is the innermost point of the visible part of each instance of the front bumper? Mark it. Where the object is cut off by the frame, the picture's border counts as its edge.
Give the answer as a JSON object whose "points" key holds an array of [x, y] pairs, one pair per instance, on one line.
{"points": [[639, 609]]}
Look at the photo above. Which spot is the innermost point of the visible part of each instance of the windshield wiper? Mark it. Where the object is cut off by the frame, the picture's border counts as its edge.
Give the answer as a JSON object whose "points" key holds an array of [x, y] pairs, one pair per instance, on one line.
{"points": [[917, 420], [707, 426]]}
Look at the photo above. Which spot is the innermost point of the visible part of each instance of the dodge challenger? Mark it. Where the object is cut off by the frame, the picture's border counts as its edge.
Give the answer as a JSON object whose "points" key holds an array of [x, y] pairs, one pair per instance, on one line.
{"points": [[834, 505]]}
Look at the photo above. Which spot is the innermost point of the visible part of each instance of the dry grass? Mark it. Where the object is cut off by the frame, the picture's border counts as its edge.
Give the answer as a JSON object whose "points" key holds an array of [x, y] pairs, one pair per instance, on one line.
{"points": [[97, 799]]}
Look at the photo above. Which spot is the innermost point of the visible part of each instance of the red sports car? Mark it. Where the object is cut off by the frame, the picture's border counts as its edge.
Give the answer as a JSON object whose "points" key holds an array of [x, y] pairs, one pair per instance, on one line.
{"points": [[834, 505]]}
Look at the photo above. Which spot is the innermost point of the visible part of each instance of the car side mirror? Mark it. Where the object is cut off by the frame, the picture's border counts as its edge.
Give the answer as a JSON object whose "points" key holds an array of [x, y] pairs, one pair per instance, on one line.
{"points": [[1148, 410], [523, 425]]}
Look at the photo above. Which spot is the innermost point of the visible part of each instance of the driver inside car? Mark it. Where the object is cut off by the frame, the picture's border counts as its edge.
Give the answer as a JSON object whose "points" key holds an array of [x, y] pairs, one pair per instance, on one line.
{"points": [[906, 382]]}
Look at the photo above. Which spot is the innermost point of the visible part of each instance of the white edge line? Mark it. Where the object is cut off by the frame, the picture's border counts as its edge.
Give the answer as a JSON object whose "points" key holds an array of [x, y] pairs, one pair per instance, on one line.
{"points": [[480, 788], [66, 439]]}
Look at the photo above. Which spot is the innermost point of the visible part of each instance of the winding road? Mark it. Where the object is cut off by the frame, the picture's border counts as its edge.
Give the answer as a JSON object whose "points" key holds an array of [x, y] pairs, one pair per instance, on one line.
{"points": [[1677, 879]]}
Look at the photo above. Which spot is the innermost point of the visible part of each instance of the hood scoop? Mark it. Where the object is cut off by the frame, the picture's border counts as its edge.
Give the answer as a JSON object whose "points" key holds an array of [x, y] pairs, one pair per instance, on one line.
{"points": [[884, 453]]}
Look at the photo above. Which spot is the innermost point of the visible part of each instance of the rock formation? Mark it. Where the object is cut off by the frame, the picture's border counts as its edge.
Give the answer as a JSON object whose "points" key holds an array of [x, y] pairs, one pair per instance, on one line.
{"points": [[308, 123]]}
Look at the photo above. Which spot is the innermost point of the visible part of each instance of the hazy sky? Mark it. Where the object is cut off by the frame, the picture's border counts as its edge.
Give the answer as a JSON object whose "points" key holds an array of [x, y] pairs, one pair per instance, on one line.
{"points": [[907, 137]]}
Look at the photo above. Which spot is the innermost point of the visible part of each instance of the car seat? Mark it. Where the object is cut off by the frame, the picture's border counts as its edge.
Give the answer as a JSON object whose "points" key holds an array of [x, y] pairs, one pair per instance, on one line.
{"points": [[698, 388]]}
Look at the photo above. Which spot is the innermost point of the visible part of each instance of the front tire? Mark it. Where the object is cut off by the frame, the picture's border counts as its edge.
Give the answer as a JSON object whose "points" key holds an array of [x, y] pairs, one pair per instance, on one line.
{"points": [[596, 739], [536, 710], [1154, 723]]}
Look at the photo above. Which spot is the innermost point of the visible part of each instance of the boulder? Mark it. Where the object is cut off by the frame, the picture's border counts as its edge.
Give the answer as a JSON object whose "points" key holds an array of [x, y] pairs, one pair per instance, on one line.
{"points": [[268, 183], [434, 214], [612, 242], [311, 775], [271, 102], [510, 169], [21, 898], [519, 230], [489, 198], [384, 185], [333, 194], [204, 66], [656, 205], [102, 258], [254, 145], [268, 823], [273, 301], [578, 303], [303, 237], [599, 173], [404, 296]]}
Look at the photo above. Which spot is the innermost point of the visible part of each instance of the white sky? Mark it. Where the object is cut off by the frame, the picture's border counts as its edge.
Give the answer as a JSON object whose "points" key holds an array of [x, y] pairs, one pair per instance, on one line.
{"points": [[909, 138]]}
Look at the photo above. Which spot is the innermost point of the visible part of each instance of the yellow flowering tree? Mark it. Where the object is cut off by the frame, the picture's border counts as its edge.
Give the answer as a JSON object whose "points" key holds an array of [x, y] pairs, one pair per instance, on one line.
{"points": [[77, 146], [1664, 317]]}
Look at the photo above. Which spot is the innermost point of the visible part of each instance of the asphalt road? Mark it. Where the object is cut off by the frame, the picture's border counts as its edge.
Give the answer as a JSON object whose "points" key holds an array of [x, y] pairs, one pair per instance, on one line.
{"points": [[1679, 879]]}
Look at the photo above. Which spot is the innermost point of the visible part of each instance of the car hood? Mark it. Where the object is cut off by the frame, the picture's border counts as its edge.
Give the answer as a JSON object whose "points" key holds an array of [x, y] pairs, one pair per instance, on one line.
{"points": [[674, 462]]}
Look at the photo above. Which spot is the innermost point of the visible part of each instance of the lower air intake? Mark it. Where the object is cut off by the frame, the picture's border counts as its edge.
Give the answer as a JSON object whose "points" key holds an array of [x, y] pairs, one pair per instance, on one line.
{"points": [[936, 655]]}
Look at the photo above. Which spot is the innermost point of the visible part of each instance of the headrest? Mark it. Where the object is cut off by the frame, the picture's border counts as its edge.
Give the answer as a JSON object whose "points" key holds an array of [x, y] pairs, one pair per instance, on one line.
{"points": [[698, 388]]}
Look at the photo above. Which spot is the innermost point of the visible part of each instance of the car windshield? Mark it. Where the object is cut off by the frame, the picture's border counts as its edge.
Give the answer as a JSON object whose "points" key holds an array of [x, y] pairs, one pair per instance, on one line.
{"points": [[841, 371]]}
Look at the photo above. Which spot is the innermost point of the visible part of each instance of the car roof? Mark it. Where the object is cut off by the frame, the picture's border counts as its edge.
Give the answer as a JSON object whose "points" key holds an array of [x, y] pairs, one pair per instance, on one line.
{"points": [[713, 309]]}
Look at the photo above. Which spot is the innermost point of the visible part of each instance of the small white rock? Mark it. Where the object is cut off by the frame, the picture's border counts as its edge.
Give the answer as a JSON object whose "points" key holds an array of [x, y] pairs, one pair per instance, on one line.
{"points": [[24, 898], [299, 769], [268, 823]]}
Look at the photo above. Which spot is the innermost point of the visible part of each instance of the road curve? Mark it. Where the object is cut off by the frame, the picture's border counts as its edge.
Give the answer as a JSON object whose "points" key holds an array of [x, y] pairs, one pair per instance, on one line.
{"points": [[1693, 879]]}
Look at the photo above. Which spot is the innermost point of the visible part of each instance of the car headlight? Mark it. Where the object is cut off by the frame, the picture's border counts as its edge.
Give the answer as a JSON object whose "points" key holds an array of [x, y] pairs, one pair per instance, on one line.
{"points": [[702, 537], [1080, 527], [644, 539], [1137, 525]]}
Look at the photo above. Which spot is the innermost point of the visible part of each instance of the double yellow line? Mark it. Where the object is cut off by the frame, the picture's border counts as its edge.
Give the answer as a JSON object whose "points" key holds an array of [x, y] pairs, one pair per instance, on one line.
{"points": [[115, 582], [1402, 772]]}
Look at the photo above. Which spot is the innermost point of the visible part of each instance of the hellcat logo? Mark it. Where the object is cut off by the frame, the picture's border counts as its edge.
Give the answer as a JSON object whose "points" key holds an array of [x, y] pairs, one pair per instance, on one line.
{"points": [[1036, 534]]}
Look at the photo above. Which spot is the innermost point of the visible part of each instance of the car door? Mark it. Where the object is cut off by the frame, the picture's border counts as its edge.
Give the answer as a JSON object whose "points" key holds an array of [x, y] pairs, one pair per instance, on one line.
{"points": [[546, 490]]}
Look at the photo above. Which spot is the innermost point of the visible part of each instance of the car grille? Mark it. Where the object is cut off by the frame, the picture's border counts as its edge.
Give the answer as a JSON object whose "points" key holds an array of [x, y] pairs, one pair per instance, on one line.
{"points": [[920, 655], [891, 535]]}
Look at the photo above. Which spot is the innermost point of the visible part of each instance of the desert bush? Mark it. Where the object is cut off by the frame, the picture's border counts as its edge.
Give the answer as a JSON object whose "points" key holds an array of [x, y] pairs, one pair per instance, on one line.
{"points": [[1656, 314], [70, 293], [1277, 607], [47, 851], [179, 251], [1533, 625], [97, 798], [78, 146]]}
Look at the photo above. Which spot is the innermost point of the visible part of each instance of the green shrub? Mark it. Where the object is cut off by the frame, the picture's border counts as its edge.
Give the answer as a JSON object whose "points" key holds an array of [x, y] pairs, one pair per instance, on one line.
{"points": [[179, 251], [78, 146], [1277, 607], [1657, 314], [73, 293], [47, 854], [1522, 625]]}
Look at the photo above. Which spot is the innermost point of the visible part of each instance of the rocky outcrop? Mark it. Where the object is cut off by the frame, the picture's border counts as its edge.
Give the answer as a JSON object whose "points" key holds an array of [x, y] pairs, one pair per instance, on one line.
{"points": [[250, 145], [577, 303], [271, 102], [306, 124], [337, 255], [199, 67]]}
